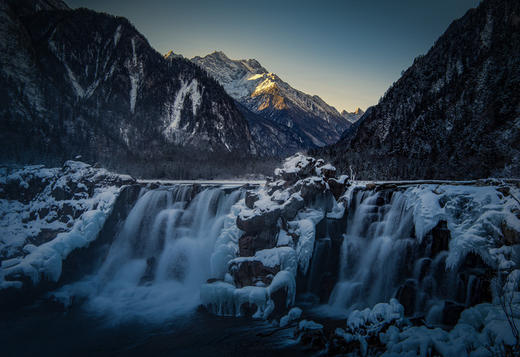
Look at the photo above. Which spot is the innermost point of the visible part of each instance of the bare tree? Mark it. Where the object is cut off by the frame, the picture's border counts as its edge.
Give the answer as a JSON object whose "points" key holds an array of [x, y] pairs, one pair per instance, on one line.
{"points": [[505, 289]]}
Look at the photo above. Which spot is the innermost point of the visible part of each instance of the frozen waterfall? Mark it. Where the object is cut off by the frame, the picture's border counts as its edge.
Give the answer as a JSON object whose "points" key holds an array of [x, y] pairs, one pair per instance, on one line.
{"points": [[384, 256], [160, 256]]}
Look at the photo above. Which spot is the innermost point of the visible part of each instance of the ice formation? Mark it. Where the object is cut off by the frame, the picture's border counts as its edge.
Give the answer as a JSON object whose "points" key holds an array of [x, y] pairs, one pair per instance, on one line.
{"points": [[46, 213]]}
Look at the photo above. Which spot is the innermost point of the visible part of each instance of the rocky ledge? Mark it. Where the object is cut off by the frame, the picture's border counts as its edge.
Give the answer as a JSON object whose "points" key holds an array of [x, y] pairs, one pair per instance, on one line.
{"points": [[274, 240], [46, 214]]}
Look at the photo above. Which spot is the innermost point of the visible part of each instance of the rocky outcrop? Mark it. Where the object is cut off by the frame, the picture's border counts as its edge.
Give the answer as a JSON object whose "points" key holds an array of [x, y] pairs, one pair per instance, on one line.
{"points": [[48, 215], [277, 227]]}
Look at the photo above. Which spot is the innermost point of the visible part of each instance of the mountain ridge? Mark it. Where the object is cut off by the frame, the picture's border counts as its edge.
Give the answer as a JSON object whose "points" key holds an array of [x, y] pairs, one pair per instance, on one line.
{"points": [[88, 83], [266, 94]]}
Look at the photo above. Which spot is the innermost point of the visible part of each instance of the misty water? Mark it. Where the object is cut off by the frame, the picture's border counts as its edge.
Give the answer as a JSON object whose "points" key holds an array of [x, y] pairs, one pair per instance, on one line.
{"points": [[144, 298]]}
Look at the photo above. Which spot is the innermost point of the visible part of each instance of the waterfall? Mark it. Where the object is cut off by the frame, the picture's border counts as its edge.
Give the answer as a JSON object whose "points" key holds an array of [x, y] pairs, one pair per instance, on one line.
{"points": [[160, 256], [381, 258]]}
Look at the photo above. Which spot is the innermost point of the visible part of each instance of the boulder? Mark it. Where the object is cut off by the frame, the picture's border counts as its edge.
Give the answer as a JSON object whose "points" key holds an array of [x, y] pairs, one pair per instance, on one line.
{"points": [[248, 245], [291, 207], [258, 221], [61, 193], [511, 236], [440, 238], [250, 272], [451, 312], [370, 186], [339, 346], [311, 335], [311, 188], [251, 198], [407, 296], [337, 188]]}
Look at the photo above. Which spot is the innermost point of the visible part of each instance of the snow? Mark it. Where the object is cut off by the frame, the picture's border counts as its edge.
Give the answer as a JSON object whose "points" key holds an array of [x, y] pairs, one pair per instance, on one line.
{"points": [[117, 35], [481, 331], [245, 79], [487, 32], [224, 299], [326, 167], [173, 112], [284, 257], [78, 89], [307, 325], [373, 319], [274, 200], [284, 239], [226, 245], [292, 315], [135, 74], [20, 222], [307, 231], [475, 215], [294, 164]]}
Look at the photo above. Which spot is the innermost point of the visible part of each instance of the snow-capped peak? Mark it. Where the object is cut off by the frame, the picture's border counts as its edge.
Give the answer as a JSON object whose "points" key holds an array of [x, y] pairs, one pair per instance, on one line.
{"points": [[264, 93], [353, 116], [171, 55]]}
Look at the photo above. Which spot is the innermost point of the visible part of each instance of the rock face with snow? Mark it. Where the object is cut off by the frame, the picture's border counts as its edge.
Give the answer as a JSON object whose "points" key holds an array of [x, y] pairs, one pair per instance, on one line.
{"points": [[454, 113], [402, 261], [80, 82], [274, 242], [48, 213], [313, 121]]}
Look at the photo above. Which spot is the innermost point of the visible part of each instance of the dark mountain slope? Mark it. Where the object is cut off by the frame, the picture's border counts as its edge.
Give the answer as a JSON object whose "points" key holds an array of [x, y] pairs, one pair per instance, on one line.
{"points": [[455, 113], [80, 82]]}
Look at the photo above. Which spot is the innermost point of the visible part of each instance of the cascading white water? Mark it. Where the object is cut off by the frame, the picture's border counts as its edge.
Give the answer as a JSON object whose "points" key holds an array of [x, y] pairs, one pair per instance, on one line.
{"points": [[160, 256], [381, 258]]}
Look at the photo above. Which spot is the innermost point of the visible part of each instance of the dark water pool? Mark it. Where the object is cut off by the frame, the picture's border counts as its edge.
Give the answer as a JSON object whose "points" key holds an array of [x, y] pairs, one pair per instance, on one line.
{"points": [[39, 331]]}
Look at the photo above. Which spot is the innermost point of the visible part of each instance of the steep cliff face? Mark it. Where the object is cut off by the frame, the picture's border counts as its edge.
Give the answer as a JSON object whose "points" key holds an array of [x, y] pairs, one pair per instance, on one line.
{"points": [[455, 113], [313, 122], [81, 82]]}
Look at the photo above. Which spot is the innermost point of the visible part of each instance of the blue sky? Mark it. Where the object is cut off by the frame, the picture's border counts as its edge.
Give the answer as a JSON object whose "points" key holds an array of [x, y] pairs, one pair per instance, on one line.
{"points": [[347, 52]]}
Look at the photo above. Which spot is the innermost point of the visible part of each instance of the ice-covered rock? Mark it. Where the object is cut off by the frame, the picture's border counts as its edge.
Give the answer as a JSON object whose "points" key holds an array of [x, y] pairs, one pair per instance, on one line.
{"points": [[277, 230], [46, 213], [292, 315]]}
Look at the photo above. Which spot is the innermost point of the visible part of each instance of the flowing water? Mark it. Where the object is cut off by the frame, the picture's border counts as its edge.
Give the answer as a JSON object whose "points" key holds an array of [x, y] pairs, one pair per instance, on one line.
{"points": [[143, 299], [382, 258], [160, 257]]}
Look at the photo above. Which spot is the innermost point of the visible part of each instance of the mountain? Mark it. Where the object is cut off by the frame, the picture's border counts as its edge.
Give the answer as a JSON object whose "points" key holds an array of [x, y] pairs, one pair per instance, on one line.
{"points": [[314, 122], [353, 116], [81, 82], [455, 113]]}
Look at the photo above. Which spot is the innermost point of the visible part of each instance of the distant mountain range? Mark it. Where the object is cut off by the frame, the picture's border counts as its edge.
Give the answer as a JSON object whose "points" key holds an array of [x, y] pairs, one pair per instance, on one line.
{"points": [[455, 113], [314, 122], [353, 116], [78, 82]]}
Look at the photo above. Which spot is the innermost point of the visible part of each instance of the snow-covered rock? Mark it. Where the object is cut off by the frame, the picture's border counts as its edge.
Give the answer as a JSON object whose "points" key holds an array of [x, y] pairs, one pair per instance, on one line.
{"points": [[46, 213], [277, 227]]}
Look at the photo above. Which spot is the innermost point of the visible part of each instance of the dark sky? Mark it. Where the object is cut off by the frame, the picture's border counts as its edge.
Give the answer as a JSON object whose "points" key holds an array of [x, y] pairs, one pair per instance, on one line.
{"points": [[347, 52]]}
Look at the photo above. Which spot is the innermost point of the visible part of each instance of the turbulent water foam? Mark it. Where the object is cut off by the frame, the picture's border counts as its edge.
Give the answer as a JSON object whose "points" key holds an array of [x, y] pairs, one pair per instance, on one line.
{"points": [[159, 258]]}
